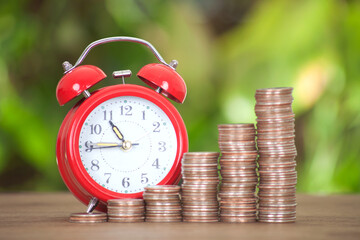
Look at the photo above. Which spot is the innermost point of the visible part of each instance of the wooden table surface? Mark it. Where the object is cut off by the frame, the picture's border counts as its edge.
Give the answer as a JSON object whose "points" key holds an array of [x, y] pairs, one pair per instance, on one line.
{"points": [[45, 216]]}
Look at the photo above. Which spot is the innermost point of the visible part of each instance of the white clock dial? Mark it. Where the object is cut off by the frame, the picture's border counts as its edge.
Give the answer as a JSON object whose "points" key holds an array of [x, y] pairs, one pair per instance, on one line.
{"points": [[127, 143]]}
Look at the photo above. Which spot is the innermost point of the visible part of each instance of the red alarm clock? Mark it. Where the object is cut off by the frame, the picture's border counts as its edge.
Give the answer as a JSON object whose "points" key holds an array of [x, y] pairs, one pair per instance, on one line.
{"points": [[121, 138]]}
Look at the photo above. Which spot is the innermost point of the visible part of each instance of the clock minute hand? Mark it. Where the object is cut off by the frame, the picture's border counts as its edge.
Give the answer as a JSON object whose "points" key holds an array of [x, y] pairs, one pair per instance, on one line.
{"points": [[117, 131]]}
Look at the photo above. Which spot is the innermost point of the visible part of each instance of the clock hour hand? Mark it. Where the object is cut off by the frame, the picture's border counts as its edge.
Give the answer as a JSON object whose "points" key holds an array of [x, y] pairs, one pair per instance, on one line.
{"points": [[117, 131], [105, 145]]}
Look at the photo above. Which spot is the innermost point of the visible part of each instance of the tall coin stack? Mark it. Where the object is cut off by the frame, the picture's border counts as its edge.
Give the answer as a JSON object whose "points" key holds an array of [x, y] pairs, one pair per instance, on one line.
{"points": [[162, 203], [199, 188], [126, 210], [277, 152], [238, 171]]}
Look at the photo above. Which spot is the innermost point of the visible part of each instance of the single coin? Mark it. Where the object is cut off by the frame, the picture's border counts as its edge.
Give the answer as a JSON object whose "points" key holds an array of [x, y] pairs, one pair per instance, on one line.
{"points": [[192, 208], [163, 188], [197, 220], [163, 220], [238, 219], [210, 202], [125, 202], [200, 154], [126, 220], [200, 165], [168, 197], [201, 217], [126, 215], [277, 220]]}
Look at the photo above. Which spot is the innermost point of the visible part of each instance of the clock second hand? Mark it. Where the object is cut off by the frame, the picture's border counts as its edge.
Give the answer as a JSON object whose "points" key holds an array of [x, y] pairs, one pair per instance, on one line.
{"points": [[141, 137]]}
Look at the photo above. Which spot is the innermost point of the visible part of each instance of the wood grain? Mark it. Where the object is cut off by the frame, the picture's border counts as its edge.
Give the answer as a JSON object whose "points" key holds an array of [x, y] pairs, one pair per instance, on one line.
{"points": [[45, 216]]}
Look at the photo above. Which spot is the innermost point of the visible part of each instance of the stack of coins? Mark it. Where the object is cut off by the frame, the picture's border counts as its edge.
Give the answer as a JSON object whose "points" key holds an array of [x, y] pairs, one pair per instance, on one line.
{"points": [[126, 210], [162, 203], [238, 171], [95, 217], [199, 188], [277, 152]]}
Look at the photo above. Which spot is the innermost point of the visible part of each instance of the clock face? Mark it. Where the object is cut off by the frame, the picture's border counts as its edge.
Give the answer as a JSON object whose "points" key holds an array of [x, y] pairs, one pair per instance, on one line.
{"points": [[127, 143]]}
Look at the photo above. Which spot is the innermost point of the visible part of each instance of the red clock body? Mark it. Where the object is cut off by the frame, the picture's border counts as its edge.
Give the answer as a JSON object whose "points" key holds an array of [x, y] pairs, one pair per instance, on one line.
{"points": [[119, 140]]}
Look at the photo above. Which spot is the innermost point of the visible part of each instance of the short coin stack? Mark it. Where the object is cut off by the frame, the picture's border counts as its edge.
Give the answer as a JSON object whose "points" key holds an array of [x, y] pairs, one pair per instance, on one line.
{"points": [[95, 217], [238, 171], [126, 210], [277, 152], [162, 203], [199, 188]]}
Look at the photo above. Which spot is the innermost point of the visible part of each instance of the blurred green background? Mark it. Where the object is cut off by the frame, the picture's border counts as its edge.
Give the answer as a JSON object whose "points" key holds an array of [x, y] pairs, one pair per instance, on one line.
{"points": [[226, 50]]}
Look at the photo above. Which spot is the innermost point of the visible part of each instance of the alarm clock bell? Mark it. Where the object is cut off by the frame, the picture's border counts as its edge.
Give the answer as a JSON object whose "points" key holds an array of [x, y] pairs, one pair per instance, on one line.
{"points": [[77, 81], [165, 79]]}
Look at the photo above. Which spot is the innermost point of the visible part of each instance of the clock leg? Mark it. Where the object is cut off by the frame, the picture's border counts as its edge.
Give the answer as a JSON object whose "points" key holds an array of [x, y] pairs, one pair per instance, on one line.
{"points": [[92, 204]]}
